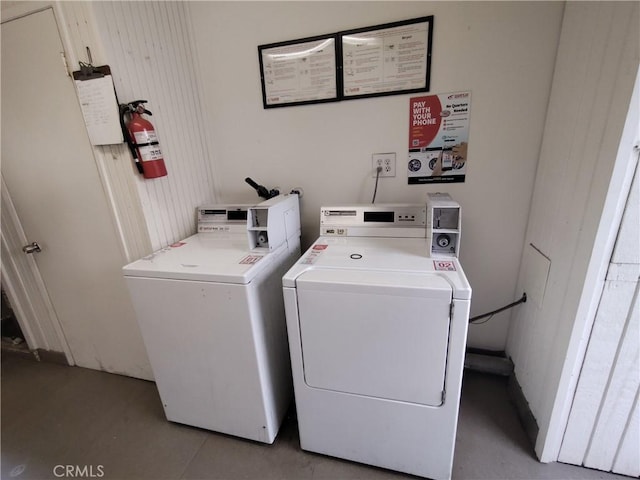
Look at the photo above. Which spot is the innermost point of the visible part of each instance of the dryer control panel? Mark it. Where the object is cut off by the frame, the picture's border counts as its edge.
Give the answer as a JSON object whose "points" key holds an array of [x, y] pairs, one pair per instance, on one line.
{"points": [[382, 220]]}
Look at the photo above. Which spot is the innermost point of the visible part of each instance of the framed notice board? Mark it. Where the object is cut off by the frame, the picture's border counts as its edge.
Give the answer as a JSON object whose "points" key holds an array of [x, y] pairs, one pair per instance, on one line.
{"points": [[299, 72], [387, 59]]}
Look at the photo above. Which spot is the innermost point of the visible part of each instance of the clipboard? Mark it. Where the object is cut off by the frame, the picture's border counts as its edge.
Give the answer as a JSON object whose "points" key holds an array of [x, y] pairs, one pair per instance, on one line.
{"points": [[89, 72], [99, 104]]}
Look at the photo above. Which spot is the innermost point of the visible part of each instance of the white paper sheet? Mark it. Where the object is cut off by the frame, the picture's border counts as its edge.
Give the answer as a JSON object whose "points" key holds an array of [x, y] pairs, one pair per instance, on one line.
{"points": [[100, 110]]}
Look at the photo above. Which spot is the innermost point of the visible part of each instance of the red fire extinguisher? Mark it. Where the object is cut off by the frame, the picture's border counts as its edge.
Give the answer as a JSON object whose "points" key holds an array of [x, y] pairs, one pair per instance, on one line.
{"points": [[142, 140]]}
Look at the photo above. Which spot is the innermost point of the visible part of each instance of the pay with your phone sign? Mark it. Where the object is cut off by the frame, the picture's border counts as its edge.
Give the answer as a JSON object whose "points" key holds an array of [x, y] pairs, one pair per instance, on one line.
{"points": [[438, 138]]}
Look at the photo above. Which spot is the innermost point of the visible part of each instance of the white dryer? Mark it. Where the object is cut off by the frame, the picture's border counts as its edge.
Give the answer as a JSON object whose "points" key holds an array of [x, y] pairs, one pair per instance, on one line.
{"points": [[211, 314], [377, 332]]}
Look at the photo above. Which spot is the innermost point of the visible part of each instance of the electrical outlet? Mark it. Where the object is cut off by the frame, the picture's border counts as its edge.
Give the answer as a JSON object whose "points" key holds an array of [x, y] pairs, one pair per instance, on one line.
{"points": [[385, 160]]}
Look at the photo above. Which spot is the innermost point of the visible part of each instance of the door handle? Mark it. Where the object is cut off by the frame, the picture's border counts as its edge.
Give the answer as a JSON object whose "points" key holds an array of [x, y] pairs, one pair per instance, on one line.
{"points": [[32, 248]]}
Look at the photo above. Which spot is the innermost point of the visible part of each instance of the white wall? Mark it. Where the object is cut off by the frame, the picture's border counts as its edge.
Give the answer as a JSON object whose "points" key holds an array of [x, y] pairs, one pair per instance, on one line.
{"points": [[148, 46], [502, 52], [577, 202]]}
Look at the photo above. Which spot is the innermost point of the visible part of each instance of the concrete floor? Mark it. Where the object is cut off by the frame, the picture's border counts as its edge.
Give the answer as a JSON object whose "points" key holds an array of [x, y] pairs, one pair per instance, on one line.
{"points": [[56, 415]]}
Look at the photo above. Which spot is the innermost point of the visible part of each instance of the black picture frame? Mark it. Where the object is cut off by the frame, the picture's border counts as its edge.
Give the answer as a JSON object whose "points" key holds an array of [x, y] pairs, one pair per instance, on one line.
{"points": [[282, 65], [364, 57]]}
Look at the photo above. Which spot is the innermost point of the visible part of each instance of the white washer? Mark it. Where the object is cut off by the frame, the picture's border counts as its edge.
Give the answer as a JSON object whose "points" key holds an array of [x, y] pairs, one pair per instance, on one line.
{"points": [[212, 318], [377, 332]]}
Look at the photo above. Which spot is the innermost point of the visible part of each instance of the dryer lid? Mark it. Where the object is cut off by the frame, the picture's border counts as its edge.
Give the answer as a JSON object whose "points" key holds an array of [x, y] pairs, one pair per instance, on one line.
{"points": [[380, 282], [392, 256]]}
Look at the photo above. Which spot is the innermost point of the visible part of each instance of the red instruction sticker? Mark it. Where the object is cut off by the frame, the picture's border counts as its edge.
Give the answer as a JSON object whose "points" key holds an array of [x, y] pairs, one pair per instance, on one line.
{"points": [[250, 259], [444, 265], [312, 256]]}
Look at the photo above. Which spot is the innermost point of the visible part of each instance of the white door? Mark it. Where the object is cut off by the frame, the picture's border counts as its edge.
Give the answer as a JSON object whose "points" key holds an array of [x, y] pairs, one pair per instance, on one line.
{"points": [[52, 178], [603, 430]]}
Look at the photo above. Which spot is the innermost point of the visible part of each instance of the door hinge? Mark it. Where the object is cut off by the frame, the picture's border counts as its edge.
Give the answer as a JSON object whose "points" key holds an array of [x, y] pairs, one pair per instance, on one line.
{"points": [[444, 395], [65, 64]]}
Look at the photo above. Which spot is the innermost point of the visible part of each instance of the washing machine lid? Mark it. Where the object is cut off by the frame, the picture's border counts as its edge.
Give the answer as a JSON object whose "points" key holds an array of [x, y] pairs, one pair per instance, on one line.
{"points": [[390, 255], [206, 257], [375, 333]]}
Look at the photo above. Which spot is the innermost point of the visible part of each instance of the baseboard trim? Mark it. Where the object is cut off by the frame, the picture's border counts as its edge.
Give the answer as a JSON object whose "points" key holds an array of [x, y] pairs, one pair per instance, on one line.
{"points": [[50, 356], [525, 415], [493, 364]]}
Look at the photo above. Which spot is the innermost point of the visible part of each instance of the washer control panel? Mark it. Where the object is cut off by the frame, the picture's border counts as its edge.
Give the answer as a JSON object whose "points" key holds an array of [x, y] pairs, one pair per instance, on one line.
{"points": [[219, 218]]}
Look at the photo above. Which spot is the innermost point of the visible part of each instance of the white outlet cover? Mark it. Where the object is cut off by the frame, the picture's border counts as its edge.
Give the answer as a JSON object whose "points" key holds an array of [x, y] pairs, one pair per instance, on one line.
{"points": [[385, 160]]}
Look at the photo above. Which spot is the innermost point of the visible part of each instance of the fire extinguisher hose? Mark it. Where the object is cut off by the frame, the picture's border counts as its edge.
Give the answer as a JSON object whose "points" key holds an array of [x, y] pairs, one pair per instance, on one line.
{"points": [[123, 110]]}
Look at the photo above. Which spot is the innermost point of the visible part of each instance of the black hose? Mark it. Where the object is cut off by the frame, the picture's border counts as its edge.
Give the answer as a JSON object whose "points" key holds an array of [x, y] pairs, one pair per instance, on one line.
{"points": [[125, 108], [523, 299]]}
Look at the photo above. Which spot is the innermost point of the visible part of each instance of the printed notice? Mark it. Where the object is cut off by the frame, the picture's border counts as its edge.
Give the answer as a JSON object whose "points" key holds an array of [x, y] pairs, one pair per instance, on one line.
{"points": [[100, 110], [386, 60], [438, 138], [299, 72]]}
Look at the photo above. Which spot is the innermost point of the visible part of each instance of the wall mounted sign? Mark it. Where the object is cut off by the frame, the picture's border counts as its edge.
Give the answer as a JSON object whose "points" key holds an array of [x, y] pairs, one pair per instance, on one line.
{"points": [[298, 72], [387, 59], [438, 138]]}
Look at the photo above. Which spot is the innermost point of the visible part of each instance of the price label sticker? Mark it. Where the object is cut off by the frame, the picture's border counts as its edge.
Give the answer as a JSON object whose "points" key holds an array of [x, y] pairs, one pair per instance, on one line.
{"points": [[250, 259], [444, 265]]}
